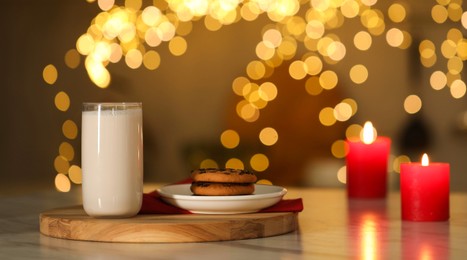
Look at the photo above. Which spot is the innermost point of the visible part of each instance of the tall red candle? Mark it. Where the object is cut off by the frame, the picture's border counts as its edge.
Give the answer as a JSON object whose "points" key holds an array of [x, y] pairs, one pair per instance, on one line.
{"points": [[425, 191], [367, 163]]}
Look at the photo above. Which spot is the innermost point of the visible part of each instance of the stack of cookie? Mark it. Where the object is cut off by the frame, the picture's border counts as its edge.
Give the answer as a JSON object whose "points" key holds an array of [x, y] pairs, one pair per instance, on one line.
{"points": [[222, 182]]}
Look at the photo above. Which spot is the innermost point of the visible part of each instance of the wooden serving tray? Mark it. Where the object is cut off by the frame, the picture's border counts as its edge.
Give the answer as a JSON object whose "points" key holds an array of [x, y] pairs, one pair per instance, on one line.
{"points": [[74, 223]]}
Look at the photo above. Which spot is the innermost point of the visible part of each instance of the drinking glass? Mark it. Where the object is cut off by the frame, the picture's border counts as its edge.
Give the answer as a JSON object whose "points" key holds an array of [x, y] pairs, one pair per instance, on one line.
{"points": [[112, 159]]}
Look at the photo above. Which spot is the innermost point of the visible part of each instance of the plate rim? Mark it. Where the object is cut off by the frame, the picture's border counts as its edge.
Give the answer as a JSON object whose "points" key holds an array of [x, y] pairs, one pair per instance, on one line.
{"points": [[281, 192]]}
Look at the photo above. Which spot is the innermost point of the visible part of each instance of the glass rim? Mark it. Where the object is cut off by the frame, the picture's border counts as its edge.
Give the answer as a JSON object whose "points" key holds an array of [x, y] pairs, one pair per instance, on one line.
{"points": [[94, 106], [112, 103]]}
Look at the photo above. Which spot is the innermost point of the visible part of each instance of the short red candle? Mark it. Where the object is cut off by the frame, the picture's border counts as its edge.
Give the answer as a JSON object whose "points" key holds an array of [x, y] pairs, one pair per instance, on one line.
{"points": [[367, 168], [425, 191]]}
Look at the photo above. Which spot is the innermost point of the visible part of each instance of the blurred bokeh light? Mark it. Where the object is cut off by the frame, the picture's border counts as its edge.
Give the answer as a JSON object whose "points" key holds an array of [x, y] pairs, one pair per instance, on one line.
{"points": [[132, 33]]}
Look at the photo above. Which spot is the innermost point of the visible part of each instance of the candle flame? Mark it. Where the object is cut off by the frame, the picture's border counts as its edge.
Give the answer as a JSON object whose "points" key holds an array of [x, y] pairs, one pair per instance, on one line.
{"points": [[369, 133], [425, 160]]}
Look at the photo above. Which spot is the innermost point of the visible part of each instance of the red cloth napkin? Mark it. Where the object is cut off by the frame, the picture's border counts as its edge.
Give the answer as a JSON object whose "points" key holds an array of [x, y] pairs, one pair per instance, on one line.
{"points": [[153, 204]]}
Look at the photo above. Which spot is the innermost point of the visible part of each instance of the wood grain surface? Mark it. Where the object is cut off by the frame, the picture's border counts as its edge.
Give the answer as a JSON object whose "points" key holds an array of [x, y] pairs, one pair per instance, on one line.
{"points": [[74, 223]]}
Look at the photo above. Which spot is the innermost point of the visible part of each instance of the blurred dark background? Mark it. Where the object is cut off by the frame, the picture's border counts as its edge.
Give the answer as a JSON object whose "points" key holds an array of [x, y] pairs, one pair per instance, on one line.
{"points": [[188, 101]]}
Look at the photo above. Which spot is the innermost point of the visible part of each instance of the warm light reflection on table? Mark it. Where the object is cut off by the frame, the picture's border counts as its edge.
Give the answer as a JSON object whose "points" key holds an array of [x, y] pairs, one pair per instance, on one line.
{"points": [[368, 238], [421, 240], [330, 227], [368, 216]]}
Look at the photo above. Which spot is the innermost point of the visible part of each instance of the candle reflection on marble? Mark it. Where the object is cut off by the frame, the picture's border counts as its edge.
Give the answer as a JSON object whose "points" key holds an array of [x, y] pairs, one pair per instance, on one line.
{"points": [[368, 229], [421, 240], [368, 236]]}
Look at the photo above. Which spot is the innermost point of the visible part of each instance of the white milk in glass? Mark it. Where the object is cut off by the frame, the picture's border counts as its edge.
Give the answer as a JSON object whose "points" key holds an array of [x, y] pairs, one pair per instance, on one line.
{"points": [[112, 159]]}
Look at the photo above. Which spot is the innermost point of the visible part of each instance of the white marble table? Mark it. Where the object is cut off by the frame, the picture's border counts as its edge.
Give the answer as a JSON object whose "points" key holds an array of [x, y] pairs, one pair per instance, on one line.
{"points": [[331, 227]]}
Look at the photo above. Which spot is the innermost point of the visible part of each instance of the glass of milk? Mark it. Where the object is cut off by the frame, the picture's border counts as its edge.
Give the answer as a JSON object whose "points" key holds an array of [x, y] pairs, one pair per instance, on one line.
{"points": [[112, 159]]}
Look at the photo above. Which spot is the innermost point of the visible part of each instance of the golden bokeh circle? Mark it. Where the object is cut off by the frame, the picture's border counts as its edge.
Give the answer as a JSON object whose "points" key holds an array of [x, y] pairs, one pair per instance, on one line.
{"points": [[353, 132], [259, 162], [151, 60], [338, 149], [359, 74], [234, 163], [61, 164], [72, 59], [62, 101], [412, 104], [268, 136], [208, 163], [66, 150], [264, 182], [70, 129], [178, 46], [397, 13], [75, 174], [326, 116], [62, 183], [230, 139], [50, 74]]}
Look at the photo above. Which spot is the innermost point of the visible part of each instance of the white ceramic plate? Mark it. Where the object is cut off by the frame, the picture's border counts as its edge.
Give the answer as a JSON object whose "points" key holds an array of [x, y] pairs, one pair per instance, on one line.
{"points": [[180, 196]]}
